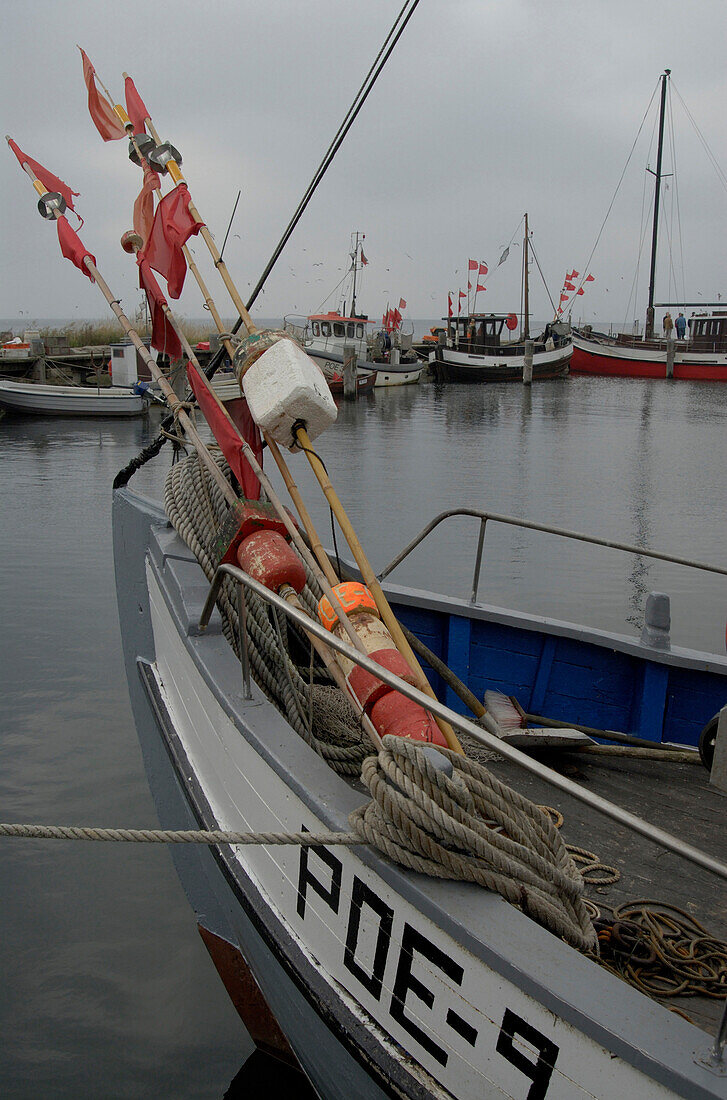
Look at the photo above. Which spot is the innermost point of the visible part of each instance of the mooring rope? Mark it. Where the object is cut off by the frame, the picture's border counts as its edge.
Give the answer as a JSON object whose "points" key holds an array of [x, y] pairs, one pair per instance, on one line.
{"points": [[173, 836]]}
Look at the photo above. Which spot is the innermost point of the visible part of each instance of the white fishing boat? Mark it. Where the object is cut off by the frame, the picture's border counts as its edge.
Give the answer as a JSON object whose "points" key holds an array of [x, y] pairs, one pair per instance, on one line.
{"points": [[329, 338], [361, 865], [36, 399]]}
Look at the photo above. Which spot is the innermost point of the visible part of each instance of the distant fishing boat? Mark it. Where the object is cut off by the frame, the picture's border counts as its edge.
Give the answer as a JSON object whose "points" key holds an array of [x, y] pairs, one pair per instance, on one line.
{"points": [[701, 356], [474, 351], [36, 399], [389, 353]]}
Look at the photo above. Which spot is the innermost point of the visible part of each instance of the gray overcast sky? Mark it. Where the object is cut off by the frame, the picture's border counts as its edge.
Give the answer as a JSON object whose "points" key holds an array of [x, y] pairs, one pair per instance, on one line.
{"points": [[485, 110]]}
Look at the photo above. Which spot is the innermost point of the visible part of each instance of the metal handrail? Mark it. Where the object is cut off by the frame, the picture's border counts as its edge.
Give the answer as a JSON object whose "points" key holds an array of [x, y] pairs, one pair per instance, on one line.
{"points": [[484, 736], [514, 521]]}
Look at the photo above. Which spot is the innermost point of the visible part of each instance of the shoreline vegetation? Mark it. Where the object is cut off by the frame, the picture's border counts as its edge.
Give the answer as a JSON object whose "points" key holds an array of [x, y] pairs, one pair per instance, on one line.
{"points": [[100, 333]]}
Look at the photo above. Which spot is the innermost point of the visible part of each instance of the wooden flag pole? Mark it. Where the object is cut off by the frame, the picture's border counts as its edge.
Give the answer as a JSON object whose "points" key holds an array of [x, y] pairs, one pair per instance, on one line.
{"points": [[177, 177], [367, 572], [221, 481]]}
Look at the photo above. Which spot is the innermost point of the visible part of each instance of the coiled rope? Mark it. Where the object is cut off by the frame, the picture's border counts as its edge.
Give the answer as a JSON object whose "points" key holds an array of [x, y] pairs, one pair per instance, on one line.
{"points": [[471, 826]]}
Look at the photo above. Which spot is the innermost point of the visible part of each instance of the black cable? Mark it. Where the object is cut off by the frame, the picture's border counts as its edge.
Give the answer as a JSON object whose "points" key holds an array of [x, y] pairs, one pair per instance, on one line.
{"points": [[371, 77]]}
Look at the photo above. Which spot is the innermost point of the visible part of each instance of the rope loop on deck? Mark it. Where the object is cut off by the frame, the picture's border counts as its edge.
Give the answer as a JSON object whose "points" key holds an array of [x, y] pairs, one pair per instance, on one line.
{"points": [[471, 826]]}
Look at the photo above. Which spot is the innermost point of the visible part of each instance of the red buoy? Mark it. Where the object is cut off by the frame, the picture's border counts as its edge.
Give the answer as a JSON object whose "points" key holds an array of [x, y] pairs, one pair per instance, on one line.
{"points": [[402, 717], [269, 559], [511, 321]]}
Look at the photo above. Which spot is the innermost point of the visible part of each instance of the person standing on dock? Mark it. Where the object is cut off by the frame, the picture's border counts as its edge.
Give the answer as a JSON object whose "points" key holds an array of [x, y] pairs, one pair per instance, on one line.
{"points": [[681, 326], [668, 325]]}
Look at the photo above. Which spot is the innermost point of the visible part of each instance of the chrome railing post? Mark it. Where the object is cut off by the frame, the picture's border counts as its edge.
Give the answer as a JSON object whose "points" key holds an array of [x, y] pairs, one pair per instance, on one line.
{"points": [[478, 559], [244, 654]]}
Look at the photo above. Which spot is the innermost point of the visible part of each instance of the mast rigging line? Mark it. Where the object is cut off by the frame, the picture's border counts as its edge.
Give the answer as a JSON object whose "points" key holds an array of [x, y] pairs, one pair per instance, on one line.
{"points": [[587, 267], [360, 98]]}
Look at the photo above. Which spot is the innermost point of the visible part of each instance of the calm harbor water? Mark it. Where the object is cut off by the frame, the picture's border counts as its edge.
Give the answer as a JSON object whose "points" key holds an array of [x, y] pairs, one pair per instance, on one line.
{"points": [[107, 988]]}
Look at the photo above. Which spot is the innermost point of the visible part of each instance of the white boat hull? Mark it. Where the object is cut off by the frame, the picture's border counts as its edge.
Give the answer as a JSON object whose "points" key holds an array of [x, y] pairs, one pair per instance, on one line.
{"points": [[385, 982], [39, 400]]}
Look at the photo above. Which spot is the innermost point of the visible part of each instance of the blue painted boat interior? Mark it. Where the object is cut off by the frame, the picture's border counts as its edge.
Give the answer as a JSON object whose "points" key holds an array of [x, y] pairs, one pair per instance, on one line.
{"points": [[570, 679]]}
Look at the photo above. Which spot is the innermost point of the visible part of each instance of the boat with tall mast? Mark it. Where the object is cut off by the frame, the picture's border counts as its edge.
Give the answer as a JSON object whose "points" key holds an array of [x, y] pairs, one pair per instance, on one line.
{"points": [[474, 351], [702, 356]]}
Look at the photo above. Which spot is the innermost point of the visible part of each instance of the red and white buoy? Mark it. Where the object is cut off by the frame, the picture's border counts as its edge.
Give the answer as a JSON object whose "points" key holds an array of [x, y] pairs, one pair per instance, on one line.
{"points": [[389, 710]]}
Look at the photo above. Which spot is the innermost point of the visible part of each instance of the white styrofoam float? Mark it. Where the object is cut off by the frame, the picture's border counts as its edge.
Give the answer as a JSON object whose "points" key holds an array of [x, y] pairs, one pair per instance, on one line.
{"points": [[284, 385]]}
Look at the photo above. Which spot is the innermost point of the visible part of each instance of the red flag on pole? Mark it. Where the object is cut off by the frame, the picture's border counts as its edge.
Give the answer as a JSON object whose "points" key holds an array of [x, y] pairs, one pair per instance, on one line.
{"points": [[49, 181], [473, 265], [73, 247], [462, 294], [589, 279], [173, 226], [449, 304], [580, 291], [225, 434], [104, 117], [564, 297], [569, 286], [402, 303], [364, 261], [396, 317], [574, 274], [483, 269], [163, 336], [480, 287], [144, 204], [135, 108]]}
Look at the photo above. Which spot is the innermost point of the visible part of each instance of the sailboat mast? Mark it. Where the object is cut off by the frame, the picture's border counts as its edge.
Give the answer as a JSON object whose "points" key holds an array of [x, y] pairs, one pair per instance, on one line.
{"points": [[652, 273], [355, 265], [526, 301]]}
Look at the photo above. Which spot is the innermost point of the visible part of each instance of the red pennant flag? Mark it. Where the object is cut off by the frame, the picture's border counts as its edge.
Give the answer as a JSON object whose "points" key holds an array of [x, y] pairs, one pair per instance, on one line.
{"points": [[397, 318], [402, 303], [569, 286], [449, 305], [163, 336], [483, 269], [225, 434], [104, 117], [589, 279], [574, 274], [480, 287], [135, 108], [473, 265], [144, 204], [469, 285], [73, 248], [364, 261], [173, 226], [462, 294], [564, 297], [49, 181], [580, 291]]}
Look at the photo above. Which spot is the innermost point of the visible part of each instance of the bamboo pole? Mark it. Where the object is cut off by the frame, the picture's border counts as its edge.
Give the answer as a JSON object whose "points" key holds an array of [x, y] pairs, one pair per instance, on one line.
{"points": [[369, 578], [176, 174], [208, 299]]}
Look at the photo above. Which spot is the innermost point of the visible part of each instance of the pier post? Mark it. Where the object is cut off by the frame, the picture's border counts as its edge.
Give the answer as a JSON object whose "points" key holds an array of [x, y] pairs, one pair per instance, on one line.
{"points": [[349, 372], [528, 364], [670, 347]]}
